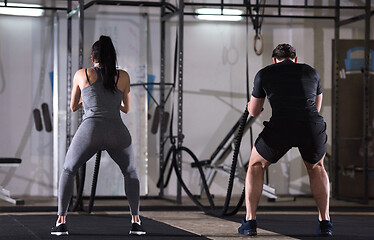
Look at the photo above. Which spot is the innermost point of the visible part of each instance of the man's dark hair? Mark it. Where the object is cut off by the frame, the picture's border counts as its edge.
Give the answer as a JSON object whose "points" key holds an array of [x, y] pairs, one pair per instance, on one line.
{"points": [[283, 51]]}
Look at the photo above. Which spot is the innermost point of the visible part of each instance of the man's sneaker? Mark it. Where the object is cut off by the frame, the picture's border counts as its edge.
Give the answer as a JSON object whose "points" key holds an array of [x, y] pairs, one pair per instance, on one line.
{"points": [[248, 228], [324, 228], [137, 229], [59, 230]]}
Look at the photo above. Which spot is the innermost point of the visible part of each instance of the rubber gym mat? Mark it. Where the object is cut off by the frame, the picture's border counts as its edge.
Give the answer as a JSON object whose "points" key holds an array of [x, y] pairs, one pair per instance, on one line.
{"points": [[304, 226], [94, 226]]}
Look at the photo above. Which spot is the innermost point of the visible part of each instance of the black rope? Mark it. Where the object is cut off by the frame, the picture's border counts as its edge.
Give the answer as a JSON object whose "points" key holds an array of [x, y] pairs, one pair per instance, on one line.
{"points": [[78, 205], [171, 135], [211, 209], [80, 177], [165, 184], [234, 162], [94, 181]]}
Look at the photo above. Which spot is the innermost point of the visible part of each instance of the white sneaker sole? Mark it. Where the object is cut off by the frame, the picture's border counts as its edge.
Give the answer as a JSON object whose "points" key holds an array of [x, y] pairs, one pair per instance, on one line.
{"points": [[137, 232], [59, 233]]}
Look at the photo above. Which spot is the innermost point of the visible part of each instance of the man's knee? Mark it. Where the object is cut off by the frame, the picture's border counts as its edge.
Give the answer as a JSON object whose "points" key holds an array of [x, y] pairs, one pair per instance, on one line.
{"points": [[256, 160], [259, 164]]}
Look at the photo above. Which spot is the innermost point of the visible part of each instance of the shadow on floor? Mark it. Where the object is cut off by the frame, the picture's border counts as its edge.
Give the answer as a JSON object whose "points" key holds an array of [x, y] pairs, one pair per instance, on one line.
{"points": [[19, 227], [304, 226]]}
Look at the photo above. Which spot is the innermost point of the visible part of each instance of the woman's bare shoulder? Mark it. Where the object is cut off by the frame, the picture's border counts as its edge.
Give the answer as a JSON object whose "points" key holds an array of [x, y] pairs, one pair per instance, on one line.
{"points": [[81, 77], [80, 72], [123, 81], [123, 73]]}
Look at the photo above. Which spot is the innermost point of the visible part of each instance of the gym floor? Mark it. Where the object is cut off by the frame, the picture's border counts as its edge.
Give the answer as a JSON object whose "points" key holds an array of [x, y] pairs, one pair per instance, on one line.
{"points": [[288, 218]]}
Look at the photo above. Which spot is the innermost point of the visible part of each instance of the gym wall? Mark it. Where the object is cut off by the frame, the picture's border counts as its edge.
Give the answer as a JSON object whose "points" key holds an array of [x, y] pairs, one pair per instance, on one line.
{"points": [[214, 92]]}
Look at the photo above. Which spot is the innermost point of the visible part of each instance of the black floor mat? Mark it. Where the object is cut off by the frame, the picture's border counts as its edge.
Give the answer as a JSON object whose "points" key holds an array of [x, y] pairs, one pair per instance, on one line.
{"points": [[30, 227], [346, 227]]}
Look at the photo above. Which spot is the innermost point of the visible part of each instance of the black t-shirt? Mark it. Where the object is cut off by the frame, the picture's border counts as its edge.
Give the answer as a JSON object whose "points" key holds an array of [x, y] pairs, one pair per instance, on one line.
{"points": [[291, 89]]}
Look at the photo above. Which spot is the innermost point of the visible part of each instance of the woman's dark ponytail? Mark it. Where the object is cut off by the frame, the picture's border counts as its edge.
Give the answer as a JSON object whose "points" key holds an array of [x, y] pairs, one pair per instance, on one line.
{"points": [[104, 53]]}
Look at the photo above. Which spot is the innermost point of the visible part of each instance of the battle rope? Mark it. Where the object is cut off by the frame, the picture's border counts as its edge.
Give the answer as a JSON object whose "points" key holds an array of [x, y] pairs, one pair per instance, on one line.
{"points": [[211, 209]]}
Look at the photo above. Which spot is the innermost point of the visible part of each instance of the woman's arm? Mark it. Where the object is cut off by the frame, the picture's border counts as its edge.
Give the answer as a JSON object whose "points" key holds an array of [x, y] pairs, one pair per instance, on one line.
{"points": [[125, 106], [76, 101]]}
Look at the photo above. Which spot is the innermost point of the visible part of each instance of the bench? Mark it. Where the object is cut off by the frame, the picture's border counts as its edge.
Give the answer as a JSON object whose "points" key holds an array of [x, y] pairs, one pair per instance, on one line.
{"points": [[5, 194]]}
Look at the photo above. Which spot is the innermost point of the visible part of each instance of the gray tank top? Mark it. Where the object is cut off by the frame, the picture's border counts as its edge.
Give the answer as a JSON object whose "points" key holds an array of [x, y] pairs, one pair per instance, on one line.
{"points": [[99, 102]]}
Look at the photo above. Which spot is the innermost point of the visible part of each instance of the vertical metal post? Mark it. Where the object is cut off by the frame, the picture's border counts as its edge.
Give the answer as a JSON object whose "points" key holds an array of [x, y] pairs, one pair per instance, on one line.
{"points": [[335, 75], [81, 32], [81, 46], [180, 95], [162, 101], [55, 106], [81, 175], [68, 76], [366, 93]]}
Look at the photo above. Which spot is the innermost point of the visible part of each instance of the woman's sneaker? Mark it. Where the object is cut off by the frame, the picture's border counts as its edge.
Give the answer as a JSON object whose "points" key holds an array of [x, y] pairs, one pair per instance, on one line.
{"points": [[137, 229], [248, 228], [59, 230], [324, 228]]}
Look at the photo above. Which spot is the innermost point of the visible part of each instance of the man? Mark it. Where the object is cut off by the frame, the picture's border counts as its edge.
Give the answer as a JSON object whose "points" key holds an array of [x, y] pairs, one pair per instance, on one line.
{"points": [[295, 95]]}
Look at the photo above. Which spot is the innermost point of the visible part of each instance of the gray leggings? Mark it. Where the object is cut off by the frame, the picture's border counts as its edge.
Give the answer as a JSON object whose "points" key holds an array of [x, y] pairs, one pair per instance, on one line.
{"points": [[92, 135]]}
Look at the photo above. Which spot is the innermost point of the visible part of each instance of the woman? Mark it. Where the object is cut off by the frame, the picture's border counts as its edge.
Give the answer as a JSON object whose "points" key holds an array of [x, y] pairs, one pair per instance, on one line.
{"points": [[103, 91]]}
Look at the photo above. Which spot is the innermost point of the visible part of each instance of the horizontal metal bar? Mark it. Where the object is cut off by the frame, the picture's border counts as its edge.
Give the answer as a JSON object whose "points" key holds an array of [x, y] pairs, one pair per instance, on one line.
{"points": [[214, 4], [274, 6], [147, 84], [43, 8], [133, 3], [123, 3], [270, 16]]}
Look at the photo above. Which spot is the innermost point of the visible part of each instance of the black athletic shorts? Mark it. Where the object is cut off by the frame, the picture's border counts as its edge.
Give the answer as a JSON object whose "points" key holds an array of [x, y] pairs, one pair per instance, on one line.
{"points": [[278, 137]]}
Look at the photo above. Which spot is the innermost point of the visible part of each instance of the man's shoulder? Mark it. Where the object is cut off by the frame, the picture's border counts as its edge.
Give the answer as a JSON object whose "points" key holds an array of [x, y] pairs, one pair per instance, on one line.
{"points": [[275, 68], [306, 66], [267, 68]]}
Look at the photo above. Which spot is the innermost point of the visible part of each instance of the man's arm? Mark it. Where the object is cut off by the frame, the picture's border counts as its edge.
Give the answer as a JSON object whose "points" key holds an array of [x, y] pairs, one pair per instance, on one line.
{"points": [[318, 102], [255, 106]]}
